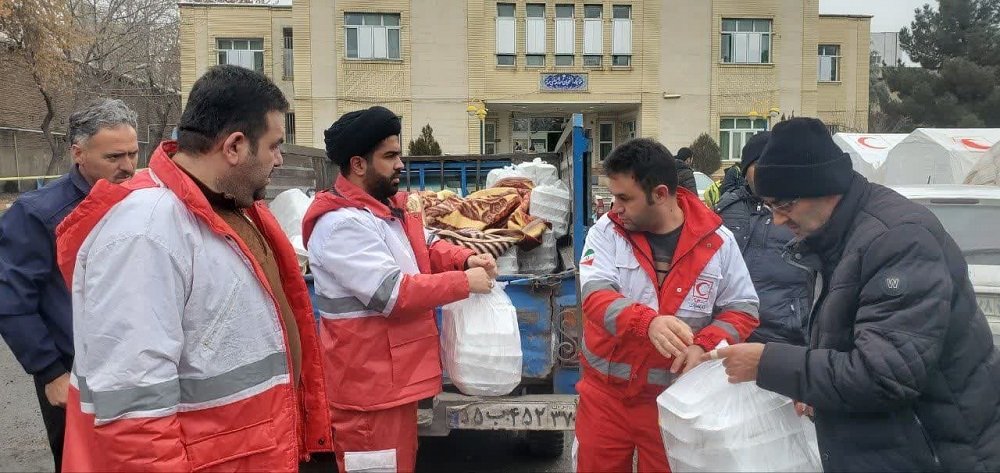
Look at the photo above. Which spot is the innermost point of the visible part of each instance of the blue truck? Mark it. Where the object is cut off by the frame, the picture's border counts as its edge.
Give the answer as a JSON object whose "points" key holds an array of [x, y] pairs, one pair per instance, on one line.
{"points": [[548, 311]]}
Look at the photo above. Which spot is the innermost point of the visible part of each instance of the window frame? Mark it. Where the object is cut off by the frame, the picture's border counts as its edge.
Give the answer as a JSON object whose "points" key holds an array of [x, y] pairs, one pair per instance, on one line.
{"points": [[502, 55], [288, 53], [619, 57], [732, 149], [388, 29], [567, 57], [258, 54], [589, 55], [836, 60], [290, 127], [765, 41], [601, 141]]}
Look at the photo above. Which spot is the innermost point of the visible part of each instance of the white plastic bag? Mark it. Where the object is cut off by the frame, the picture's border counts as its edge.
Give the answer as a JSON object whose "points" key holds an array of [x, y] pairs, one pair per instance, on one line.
{"points": [[481, 344], [708, 424], [540, 172], [507, 262], [541, 260], [289, 208], [499, 174], [552, 203]]}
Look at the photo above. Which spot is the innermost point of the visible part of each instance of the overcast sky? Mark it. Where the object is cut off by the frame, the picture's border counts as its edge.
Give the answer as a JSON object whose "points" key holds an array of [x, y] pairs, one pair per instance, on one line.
{"points": [[890, 15]]}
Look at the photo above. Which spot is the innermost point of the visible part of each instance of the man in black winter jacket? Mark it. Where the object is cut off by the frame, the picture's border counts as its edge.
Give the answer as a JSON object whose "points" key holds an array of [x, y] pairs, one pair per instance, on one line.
{"points": [[685, 175], [785, 289], [900, 370]]}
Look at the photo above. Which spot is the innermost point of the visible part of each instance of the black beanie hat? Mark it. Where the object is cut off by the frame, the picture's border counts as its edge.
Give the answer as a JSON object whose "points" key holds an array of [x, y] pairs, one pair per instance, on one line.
{"points": [[683, 154], [801, 160], [753, 148], [357, 133]]}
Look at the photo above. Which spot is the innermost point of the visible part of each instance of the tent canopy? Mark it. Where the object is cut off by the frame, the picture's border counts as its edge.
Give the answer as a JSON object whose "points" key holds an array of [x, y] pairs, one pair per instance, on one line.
{"points": [[986, 172], [937, 155], [868, 150]]}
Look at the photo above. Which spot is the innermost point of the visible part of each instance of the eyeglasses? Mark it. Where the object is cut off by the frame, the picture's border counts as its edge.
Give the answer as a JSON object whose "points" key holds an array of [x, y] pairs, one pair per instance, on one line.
{"points": [[781, 207]]}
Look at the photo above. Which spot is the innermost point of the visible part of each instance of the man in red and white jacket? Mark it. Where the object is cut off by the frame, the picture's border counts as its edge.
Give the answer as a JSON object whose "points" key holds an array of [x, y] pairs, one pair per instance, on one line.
{"points": [[663, 282], [195, 341], [378, 280]]}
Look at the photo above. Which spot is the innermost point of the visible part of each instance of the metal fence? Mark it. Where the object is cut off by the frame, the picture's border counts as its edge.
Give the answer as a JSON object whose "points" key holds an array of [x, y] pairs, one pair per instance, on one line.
{"points": [[25, 157]]}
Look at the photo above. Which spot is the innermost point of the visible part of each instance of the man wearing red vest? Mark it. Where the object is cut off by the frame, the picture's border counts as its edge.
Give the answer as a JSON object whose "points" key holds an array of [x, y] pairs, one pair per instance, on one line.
{"points": [[378, 279], [663, 282], [195, 342]]}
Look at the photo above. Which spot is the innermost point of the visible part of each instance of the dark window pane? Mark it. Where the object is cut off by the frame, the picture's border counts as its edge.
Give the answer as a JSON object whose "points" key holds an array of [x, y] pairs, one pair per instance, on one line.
{"points": [[564, 60], [592, 61], [564, 11], [765, 48], [505, 60], [505, 10], [762, 26], [352, 42], [222, 58], [535, 60], [593, 11], [536, 10], [257, 44], [373, 19], [621, 61], [393, 44], [726, 123], [607, 132], [729, 25], [743, 123], [724, 144], [225, 44], [727, 48], [353, 19], [258, 61], [744, 25], [621, 11], [606, 150], [390, 20]]}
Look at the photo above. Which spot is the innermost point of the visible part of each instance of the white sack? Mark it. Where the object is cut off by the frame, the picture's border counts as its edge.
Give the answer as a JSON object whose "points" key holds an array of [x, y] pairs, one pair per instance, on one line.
{"points": [[541, 260], [552, 203], [481, 344]]}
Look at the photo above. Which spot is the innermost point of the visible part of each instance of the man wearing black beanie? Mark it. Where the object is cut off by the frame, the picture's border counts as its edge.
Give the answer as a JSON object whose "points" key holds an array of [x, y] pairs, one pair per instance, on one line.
{"points": [[901, 370], [378, 282]]}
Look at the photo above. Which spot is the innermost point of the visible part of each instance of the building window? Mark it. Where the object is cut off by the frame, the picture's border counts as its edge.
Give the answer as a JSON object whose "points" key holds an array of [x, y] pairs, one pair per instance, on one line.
{"points": [[606, 139], [630, 130], [621, 34], [290, 128], [593, 35], [537, 134], [746, 41], [289, 57], [372, 36], [490, 132], [534, 34], [829, 63], [248, 53], [565, 35], [734, 133], [506, 32]]}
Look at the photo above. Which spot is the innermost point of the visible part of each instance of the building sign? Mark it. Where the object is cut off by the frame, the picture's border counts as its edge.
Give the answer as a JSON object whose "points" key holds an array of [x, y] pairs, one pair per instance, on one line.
{"points": [[563, 82]]}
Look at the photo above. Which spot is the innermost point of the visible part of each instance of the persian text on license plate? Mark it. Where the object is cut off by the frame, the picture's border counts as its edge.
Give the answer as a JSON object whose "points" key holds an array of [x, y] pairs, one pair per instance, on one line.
{"points": [[513, 416]]}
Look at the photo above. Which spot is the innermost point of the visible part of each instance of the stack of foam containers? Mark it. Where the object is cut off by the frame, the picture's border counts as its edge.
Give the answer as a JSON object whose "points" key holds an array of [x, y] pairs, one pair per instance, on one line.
{"points": [[541, 260], [708, 425], [553, 204]]}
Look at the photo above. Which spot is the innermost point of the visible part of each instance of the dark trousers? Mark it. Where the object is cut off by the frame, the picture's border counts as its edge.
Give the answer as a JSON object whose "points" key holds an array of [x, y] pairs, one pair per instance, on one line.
{"points": [[55, 424]]}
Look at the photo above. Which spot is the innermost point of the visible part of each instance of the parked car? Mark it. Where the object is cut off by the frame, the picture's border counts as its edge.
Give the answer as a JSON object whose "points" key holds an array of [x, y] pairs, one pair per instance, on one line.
{"points": [[971, 215], [703, 182]]}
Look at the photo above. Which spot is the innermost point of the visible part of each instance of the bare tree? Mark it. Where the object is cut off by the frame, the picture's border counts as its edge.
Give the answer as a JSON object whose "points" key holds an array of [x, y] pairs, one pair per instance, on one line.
{"points": [[45, 33]]}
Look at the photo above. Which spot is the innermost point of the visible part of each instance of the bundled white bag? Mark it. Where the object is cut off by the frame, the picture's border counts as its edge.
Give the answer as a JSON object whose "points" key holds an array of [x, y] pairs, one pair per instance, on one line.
{"points": [[289, 208], [708, 425], [553, 204], [507, 262], [481, 344], [540, 172], [499, 174], [541, 260]]}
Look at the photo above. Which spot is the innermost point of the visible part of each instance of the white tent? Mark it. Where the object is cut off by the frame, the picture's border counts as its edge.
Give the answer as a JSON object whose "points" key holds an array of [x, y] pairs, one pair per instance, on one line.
{"points": [[868, 150], [938, 155], [986, 172]]}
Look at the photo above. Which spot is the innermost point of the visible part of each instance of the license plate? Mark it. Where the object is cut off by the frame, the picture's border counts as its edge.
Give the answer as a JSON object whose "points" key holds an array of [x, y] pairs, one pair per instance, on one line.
{"points": [[500, 415]]}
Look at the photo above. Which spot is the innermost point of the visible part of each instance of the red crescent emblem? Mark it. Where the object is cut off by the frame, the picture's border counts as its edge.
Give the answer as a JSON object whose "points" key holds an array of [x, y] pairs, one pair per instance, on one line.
{"points": [[864, 142], [975, 144], [702, 288]]}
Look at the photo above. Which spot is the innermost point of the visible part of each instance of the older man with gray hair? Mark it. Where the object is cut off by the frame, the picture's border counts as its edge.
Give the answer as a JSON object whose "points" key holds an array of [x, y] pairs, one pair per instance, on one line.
{"points": [[35, 312]]}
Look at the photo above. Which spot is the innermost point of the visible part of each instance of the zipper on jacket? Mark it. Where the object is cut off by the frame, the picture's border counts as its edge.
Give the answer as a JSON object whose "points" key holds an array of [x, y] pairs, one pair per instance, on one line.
{"points": [[927, 438]]}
